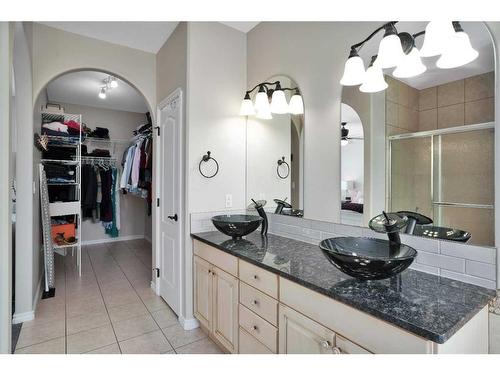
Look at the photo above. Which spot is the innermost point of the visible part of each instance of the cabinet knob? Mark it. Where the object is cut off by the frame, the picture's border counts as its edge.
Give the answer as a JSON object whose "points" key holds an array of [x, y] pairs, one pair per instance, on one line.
{"points": [[255, 302], [209, 272], [255, 328], [336, 350], [255, 277], [325, 344]]}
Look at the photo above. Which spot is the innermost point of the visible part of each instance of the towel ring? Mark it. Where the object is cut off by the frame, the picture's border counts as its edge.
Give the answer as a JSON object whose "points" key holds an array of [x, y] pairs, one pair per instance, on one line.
{"points": [[205, 159], [280, 163]]}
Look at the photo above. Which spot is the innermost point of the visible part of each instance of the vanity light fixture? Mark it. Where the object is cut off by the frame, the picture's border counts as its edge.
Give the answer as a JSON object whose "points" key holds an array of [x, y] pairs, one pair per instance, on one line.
{"points": [[262, 107], [271, 99], [296, 105], [390, 51], [354, 70], [447, 39], [411, 65], [458, 51], [278, 101], [247, 108], [437, 35], [374, 78]]}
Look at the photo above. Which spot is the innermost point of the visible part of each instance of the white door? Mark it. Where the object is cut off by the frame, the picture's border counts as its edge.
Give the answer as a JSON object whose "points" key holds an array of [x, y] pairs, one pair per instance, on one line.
{"points": [[169, 194]]}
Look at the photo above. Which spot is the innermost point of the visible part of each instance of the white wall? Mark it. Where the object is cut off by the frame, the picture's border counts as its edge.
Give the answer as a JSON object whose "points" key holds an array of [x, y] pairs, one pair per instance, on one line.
{"points": [[25, 250], [133, 209], [216, 82], [56, 51], [216, 85]]}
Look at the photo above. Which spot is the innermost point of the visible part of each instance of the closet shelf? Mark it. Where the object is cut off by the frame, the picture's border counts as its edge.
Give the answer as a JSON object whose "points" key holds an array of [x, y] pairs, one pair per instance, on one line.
{"points": [[56, 246], [62, 184], [68, 162]]}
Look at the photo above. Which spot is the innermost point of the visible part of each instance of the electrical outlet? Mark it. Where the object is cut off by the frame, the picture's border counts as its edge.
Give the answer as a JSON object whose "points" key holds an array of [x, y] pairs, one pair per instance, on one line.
{"points": [[229, 200]]}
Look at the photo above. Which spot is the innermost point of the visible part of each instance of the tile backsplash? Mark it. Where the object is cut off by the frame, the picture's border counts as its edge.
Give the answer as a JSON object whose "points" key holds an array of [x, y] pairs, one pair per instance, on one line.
{"points": [[467, 263]]}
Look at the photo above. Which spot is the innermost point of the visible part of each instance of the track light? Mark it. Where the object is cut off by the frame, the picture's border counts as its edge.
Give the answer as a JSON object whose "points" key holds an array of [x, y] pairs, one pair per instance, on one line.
{"points": [[102, 93]]}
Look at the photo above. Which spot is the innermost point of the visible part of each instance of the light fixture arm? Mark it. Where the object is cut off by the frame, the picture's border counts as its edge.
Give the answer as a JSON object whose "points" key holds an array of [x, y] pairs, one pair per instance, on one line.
{"points": [[357, 47]]}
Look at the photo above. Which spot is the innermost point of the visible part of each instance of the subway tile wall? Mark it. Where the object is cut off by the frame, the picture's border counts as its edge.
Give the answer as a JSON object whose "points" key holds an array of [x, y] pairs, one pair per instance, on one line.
{"points": [[467, 263]]}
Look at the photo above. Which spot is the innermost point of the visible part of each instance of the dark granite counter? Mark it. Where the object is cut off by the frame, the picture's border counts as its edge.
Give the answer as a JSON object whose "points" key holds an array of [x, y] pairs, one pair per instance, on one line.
{"points": [[430, 306]]}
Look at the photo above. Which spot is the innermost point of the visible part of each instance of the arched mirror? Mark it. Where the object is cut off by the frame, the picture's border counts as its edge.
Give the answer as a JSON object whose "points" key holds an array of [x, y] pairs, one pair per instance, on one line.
{"points": [[428, 142], [275, 151]]}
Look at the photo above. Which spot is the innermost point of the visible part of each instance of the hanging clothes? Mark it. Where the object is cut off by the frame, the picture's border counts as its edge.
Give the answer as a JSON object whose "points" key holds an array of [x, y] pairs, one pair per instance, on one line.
{"points": [[137, 164], [88, 191]]}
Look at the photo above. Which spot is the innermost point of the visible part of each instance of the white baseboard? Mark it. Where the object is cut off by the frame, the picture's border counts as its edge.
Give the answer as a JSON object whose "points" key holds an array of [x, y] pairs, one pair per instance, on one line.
{"points": [[188, 324], [147, 238], [115, 239], [30, 315], [23, 317]]}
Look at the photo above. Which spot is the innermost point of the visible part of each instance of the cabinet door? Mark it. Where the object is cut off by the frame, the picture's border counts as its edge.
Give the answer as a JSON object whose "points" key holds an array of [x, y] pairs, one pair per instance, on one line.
{"points": [[300, 335], [225, 309], [203, 292]]}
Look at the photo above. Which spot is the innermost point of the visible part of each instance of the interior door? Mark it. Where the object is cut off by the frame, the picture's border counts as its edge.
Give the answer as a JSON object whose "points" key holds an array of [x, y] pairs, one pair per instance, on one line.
{"points": [[169, 190], [300, 335]]}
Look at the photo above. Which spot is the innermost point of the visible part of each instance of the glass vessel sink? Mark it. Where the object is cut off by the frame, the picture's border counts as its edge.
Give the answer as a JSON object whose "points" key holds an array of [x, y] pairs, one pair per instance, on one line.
{"points": [[368, 258], [236, 226]]}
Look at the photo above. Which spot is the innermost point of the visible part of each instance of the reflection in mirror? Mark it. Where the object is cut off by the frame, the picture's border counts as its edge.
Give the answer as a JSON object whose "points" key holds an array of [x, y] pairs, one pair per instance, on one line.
{"points": [[275, 157], [438, 131], [352, 166]]}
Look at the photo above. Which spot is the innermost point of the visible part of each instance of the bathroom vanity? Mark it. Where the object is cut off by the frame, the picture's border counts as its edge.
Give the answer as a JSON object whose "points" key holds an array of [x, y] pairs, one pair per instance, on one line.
{"points": [[278, 295]]}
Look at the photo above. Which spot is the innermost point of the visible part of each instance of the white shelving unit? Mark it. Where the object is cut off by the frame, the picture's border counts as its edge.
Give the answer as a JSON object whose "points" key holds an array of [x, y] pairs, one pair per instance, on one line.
{"points": [[72, 207]]}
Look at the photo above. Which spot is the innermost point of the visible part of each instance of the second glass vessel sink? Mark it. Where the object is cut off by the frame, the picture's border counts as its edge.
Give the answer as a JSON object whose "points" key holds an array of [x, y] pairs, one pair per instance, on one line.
{"points": [[368, 258]]}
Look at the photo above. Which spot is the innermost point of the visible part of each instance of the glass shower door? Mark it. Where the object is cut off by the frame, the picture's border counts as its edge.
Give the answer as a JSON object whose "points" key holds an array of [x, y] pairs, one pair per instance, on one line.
{"points": [[464, 183], [411, 177]]}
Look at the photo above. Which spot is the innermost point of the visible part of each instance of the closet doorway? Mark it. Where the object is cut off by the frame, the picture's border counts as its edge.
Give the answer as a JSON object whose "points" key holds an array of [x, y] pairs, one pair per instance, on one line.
{"points": [[170, 213]]}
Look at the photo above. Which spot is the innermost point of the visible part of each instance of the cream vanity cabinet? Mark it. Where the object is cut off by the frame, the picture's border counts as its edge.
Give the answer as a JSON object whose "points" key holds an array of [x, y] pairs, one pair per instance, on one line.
{"points": [[216, 295], [300, 335], [248, 309]]}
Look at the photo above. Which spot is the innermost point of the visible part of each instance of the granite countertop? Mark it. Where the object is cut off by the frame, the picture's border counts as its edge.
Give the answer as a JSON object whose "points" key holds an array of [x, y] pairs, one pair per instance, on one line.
{"points": [[429, 306]]}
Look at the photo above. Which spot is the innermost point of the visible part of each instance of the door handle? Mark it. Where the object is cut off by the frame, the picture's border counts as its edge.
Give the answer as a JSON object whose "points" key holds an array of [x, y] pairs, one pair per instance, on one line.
{"points": [[174, 218]]}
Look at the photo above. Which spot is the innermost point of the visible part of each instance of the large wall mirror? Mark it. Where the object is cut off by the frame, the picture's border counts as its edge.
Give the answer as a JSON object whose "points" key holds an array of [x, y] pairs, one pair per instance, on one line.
{"points": [[275, 149], [424, 147]]}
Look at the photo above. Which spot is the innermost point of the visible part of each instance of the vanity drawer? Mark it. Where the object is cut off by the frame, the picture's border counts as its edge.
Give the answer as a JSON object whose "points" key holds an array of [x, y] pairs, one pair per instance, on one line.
{"points": [[259, 278], [216, 257], [250, 345], [263, 331], [260, 303]]}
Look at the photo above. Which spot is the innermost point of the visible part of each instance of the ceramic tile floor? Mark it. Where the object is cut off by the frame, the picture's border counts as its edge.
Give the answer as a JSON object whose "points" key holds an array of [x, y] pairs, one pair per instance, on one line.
{"points": [[111, 309]]}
